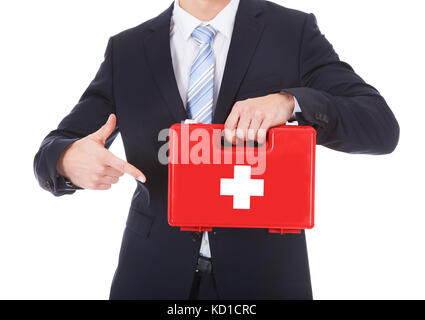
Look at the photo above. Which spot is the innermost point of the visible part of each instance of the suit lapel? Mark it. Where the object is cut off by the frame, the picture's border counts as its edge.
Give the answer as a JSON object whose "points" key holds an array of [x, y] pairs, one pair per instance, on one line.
{"points": [[246, 34], [158, 53]]}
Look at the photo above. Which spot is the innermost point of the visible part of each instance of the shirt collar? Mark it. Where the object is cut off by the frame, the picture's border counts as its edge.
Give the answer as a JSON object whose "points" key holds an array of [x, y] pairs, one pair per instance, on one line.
{"points": [[223, 22]]}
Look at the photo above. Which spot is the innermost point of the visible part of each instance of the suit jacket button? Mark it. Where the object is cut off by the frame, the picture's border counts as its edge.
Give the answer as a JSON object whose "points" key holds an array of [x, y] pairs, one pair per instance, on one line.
{"points": [[48, 185], [325, 118], [321, 117], [196, 236], [318, 116]]}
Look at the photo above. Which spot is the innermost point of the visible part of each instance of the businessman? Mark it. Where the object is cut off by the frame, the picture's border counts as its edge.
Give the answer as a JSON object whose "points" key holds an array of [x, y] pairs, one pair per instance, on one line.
{"points": [[249, 64]]}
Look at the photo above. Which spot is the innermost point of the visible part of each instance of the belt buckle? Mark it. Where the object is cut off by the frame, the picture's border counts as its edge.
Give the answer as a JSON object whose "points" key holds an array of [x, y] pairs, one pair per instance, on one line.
{"points": [[204, 264]]}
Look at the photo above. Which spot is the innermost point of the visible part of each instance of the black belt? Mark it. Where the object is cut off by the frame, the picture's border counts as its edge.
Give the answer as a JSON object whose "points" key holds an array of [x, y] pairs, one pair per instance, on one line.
{"points": [[203, 267]]}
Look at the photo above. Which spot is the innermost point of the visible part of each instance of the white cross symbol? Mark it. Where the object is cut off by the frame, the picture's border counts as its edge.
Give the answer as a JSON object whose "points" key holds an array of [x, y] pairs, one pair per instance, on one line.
{"points": [[242, 187]]}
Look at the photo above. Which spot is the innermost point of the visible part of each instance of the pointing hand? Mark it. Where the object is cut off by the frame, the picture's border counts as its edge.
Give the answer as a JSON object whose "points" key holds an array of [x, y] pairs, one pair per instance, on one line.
{"points": [[89, 165]]}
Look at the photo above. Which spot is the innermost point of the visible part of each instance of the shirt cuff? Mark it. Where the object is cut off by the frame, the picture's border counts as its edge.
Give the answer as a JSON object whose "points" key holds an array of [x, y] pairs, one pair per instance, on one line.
{"points": [[297, 107]]}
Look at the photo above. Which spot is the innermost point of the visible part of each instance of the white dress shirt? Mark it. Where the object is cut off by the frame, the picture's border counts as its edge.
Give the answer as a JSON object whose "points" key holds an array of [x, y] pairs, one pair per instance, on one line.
{"points": [[184, 50]]}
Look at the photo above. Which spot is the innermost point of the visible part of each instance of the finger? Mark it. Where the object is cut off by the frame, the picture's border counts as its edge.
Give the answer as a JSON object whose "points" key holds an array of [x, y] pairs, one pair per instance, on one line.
{"points": [[97, 186], [262, 131], [106, 130], [102, 186], [109, 171], [243, 125], [108, 180], [125, 167], [255, 124], [231, 123]]}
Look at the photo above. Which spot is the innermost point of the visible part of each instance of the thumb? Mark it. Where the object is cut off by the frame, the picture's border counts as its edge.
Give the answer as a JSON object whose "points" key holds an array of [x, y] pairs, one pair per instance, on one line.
{"points": [[106, 130]]}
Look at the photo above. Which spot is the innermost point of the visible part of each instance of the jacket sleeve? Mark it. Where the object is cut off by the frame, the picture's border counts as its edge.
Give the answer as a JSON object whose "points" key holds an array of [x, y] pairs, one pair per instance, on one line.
{"points": [[348, 114], [91, 112]]}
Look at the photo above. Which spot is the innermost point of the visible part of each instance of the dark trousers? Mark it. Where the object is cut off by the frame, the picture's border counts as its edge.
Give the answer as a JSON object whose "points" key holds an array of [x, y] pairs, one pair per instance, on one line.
{"points": [[203, 283]]}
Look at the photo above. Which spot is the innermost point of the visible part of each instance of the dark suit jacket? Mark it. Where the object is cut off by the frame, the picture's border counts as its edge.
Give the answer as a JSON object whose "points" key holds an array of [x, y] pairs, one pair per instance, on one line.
{"points": [[272, 48]]}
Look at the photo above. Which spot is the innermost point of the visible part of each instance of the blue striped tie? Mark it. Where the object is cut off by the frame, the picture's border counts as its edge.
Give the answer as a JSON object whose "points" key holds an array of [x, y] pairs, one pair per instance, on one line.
{"points": [[201, 80]]}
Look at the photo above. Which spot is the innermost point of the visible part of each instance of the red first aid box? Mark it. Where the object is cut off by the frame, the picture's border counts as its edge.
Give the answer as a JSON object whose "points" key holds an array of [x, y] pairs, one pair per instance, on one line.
{"points": [[214, 185]]}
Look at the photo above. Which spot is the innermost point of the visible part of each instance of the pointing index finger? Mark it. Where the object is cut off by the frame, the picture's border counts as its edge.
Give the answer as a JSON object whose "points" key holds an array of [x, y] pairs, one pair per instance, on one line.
{"points": [[231, 123], [125, 167]]}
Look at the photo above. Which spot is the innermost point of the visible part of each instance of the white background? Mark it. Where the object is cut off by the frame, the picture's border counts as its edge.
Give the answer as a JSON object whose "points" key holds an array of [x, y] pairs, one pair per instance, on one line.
{"points": [[369, 238]]}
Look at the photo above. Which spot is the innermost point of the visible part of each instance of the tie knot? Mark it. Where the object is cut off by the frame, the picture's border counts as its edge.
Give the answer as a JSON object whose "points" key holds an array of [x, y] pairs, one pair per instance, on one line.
{"points": [[204, 34]]}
